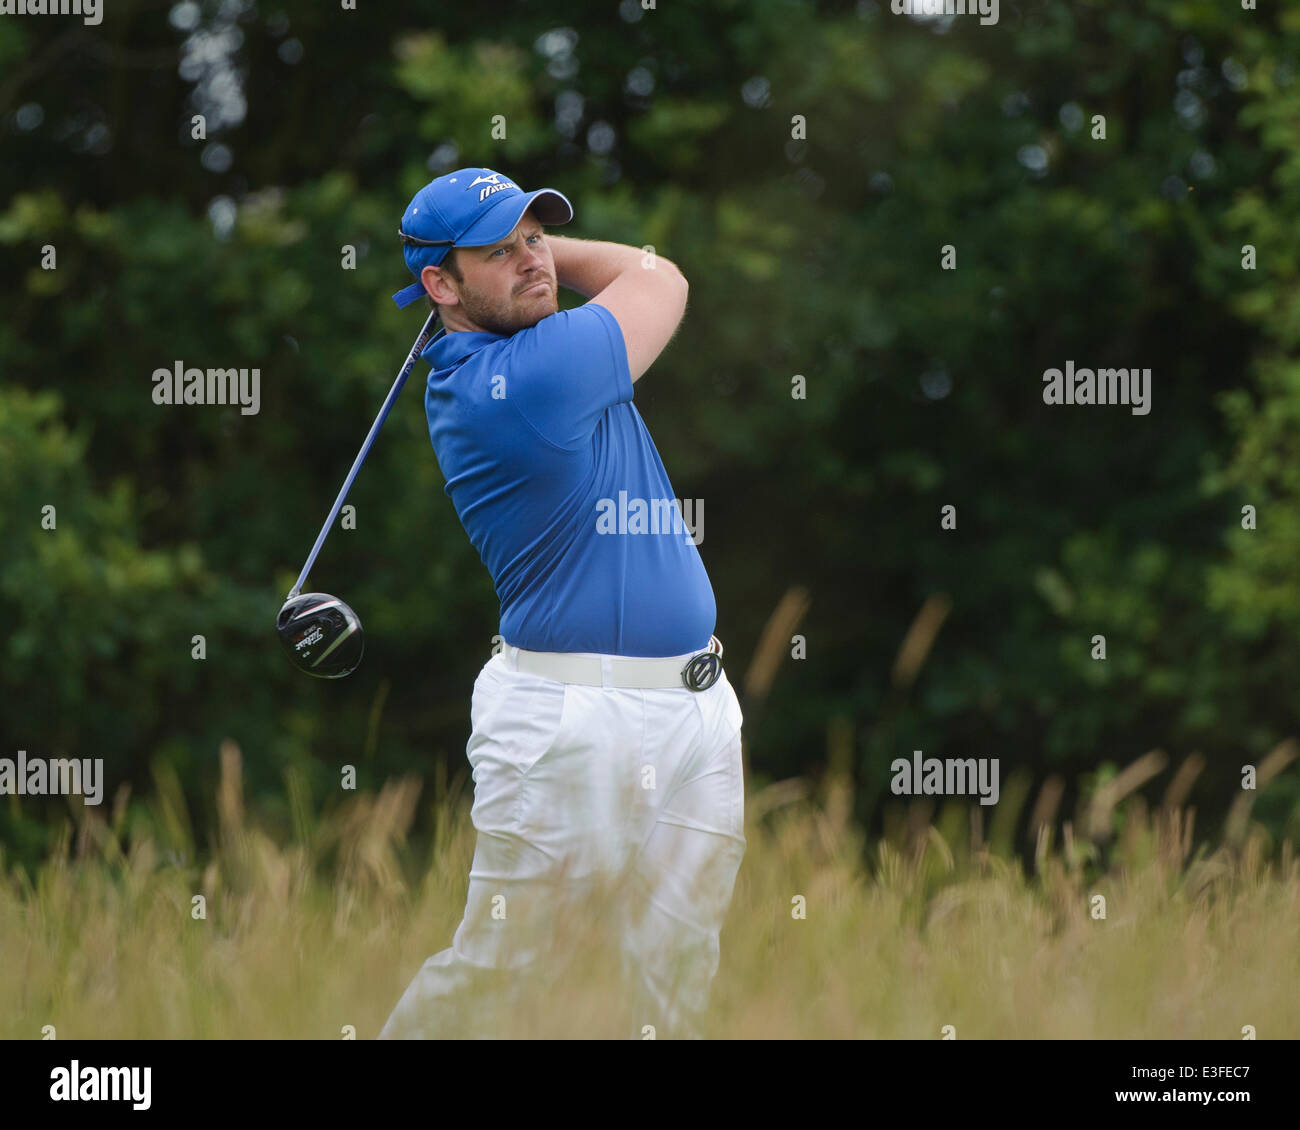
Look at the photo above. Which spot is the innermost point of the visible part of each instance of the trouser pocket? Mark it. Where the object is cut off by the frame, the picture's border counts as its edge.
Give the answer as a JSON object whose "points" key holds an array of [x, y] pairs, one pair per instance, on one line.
{"points": [[517, 719]]}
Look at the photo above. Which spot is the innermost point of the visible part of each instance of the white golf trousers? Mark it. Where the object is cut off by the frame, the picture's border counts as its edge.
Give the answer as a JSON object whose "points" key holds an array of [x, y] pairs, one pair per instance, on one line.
{"points": [[576, 782]]}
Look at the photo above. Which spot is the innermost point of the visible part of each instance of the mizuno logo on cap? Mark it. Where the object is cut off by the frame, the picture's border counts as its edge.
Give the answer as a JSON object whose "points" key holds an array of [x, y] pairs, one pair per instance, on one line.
{"points": [[494, 184]]}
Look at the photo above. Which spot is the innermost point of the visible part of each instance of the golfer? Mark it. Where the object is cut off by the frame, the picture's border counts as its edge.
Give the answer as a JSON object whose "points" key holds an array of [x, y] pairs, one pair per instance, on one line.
{"points": [[606, 737]]}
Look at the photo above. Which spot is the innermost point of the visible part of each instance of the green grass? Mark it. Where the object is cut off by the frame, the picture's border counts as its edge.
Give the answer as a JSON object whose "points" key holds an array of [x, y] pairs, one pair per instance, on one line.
{"points": [[306, 937]]}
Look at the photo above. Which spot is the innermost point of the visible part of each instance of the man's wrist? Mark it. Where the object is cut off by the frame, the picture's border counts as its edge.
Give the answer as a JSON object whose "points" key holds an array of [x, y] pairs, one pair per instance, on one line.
{"points": [[590, 265]]}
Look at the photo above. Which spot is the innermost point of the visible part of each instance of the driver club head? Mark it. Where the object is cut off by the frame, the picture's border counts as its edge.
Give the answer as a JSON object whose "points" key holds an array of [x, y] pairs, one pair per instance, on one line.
{"points": [[321, 634]]}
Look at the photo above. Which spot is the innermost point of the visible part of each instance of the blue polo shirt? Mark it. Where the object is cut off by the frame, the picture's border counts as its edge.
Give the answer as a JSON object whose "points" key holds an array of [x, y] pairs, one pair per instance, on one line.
{"points": [[559, 487]]}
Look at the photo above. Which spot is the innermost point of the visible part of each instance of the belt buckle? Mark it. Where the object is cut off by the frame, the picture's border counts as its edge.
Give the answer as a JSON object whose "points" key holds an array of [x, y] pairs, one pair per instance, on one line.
{"points": [[702, 671]]}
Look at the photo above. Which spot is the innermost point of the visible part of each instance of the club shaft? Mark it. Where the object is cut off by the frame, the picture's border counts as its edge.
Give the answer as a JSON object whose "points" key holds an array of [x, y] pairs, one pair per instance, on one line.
{"points": [[389, 400]]}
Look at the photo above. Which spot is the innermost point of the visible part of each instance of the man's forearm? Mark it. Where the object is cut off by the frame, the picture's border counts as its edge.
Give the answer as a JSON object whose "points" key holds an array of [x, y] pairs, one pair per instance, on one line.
{"points": [[590, 265]]}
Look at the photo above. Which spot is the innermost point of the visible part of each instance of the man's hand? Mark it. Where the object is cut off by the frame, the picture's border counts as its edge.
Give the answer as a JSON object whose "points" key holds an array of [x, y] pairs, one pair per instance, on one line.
{"points": [[589, 265]]}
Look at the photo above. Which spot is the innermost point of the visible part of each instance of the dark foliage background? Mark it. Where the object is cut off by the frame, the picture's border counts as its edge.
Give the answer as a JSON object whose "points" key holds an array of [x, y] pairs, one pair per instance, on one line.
{"points": [[818, 257]]}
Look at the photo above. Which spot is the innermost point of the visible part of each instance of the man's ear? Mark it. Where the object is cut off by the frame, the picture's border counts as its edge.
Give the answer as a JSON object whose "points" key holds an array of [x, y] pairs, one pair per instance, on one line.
{"points": [[438, 287]]}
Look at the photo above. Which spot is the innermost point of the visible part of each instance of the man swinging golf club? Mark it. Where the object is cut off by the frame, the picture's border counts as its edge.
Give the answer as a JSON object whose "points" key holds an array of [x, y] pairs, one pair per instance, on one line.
{"points": [[606, 736]]}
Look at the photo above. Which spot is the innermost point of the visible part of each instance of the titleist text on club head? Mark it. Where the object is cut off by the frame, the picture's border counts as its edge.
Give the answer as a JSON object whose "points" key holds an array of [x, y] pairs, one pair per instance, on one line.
{"points": [[321, 635]]}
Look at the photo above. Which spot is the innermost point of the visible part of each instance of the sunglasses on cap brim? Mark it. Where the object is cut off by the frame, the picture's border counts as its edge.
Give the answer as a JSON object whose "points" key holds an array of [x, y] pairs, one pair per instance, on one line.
{"points": [[415, 241]]}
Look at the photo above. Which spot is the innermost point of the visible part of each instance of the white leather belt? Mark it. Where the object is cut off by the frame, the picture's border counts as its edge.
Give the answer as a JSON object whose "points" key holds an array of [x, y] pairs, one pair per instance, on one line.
{"points": [[696, 670]]}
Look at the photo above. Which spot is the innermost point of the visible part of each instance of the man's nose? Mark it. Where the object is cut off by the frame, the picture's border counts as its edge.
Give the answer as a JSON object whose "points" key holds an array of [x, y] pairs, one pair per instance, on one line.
{"points": [[533, 259]]}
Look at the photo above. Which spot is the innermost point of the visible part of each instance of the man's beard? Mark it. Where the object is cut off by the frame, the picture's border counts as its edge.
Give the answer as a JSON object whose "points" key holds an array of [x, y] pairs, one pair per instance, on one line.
{"points": [[506, 318]]}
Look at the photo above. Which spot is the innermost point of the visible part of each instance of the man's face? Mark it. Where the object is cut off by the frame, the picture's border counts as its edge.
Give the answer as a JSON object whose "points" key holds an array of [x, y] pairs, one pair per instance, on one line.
{"points": [[507, 287]]}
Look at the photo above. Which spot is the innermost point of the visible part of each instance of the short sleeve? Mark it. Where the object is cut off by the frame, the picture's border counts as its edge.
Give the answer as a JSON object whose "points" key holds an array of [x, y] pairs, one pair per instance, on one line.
{"points": [[567, 371]]}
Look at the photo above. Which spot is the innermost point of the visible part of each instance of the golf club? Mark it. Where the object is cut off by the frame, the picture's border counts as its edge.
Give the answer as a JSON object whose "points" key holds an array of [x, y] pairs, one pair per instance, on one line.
{"points": [[320, 632]]}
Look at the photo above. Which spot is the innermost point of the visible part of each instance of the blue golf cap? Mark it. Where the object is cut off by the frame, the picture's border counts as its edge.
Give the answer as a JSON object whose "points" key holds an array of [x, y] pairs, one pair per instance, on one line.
{"points": [[467, 208]]}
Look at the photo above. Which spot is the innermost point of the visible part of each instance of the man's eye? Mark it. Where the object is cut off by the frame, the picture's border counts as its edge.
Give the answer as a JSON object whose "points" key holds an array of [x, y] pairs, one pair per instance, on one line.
{"points": [[501, 250]]}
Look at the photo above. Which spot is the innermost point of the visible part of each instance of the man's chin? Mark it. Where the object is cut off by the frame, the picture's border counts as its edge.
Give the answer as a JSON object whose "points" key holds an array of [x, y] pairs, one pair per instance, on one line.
{"points": [[542, 310]]}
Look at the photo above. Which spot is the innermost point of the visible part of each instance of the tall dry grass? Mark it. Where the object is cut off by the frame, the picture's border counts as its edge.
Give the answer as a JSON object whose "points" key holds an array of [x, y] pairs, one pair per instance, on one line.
{"points": [[940, 922], [935, 924]]}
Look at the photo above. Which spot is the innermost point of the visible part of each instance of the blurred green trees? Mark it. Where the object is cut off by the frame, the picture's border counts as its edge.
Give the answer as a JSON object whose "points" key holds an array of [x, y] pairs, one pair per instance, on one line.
{"points": [[819, 257]]}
